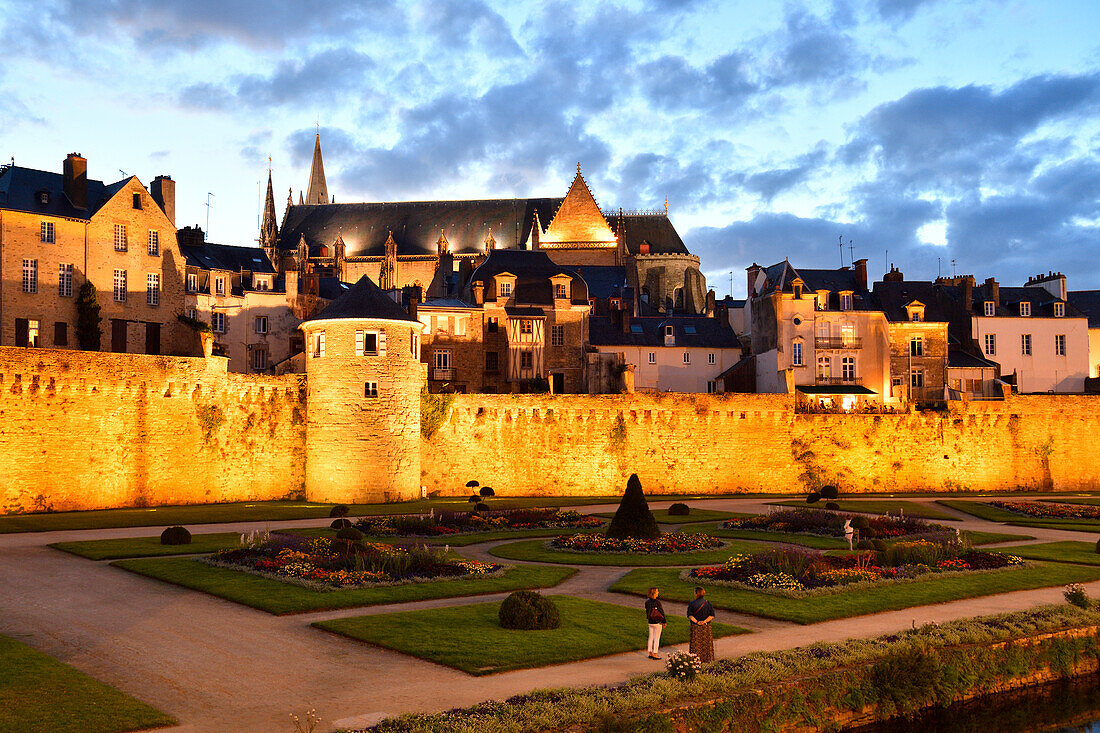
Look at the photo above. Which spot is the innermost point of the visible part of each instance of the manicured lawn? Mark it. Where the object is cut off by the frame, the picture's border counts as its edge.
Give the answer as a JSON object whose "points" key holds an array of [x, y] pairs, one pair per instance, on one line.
{"points": [[819, 542], [281, 598], [536, 551], [114, 549], [935, 589], [982, 510], [879, 506], [697, 515], [992, 538], [39, 694], [1083, 553], [470, 638]]}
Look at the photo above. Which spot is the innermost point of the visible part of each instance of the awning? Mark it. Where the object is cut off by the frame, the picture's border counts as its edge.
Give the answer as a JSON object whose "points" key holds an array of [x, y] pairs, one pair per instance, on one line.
{"points": [[831, 389]]}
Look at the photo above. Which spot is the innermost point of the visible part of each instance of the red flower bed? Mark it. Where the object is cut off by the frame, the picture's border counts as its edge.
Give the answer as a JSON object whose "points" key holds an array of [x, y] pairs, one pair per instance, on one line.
{"points": [[666, 544], [1044, 510]]}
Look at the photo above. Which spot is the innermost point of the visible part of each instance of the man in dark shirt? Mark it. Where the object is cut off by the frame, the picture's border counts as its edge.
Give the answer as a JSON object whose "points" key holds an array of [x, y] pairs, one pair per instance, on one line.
{"points": [[655, 615]]}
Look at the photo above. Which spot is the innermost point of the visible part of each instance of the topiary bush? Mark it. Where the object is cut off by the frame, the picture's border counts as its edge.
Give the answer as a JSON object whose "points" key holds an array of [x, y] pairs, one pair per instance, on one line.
{"points": [[481, 507], [487, 491], [350, 533], [879, 545], [813, 497], [175, 536], [340, 523], [633, 519], [340, 510], [860, 522], [679, 509], [1098, 546], [829, 492], [832, 506], [474, 499], [865, 545], [528, 610]]}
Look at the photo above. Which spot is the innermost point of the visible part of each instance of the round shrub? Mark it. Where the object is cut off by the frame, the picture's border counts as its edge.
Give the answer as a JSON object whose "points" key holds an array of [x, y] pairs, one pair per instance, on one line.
{"points": [[474, 499], [351, 534], [860, 523], [481, 507], [487, 491], [879, 545], [813, 497], [528, 610], [1098, 546], [679, 509], [832, 506], [829, 492], [868, 533], [175, 536], [340, 510], [340, 523], [865, 545]]}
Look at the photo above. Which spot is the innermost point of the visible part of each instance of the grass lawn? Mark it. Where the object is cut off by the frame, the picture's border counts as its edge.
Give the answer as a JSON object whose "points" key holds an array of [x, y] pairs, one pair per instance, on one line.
{"points": [[281, 598], [114, 549], [936, 589], [39, 694], [697, 515], [536, 551], [879, 506], [992, 538], [818, 542], [982, 510], [480, 646], [1083, 553]]}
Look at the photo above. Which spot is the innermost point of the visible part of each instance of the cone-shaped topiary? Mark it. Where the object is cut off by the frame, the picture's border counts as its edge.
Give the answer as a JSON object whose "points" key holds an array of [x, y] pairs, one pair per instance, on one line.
{"points": [[633, 518], [528, 610], [175, 536]]}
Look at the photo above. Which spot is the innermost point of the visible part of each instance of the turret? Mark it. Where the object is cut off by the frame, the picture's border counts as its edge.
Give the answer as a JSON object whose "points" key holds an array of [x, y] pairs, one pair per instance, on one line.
{"points": [[318, 189]]}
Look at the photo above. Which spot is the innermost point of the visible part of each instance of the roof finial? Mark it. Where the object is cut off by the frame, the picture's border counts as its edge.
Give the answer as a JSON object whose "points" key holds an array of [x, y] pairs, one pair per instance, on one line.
{"points": [[269, 166], [578, 167], [666, 205]]}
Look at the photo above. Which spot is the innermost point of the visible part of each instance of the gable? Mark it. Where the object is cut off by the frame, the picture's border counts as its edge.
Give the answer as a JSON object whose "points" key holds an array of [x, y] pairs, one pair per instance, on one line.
{"points": [[578, 222]]}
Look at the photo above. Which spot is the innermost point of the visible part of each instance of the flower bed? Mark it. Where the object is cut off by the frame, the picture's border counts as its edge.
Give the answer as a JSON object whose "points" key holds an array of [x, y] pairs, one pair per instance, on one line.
{"points": [[829, 523], [325, 564], [1049, 511], [668, 544], [448, 523], [795, 571]]}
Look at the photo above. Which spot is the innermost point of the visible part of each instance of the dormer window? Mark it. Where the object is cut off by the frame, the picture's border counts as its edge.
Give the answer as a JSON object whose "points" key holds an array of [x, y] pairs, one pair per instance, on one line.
{"points": [[635, 328], [797, 291], [1025, 309], [560, 291], [1059, 310], [670, 336], [915, 316], [846, 301], [616, 303], [137, 201], [990, 307], [915, 311], [506, 289], [43, 198]]}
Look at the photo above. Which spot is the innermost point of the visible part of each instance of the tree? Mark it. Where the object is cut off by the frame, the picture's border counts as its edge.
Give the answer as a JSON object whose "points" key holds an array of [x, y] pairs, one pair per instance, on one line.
{"points": [[633, 518], [88, 332]]}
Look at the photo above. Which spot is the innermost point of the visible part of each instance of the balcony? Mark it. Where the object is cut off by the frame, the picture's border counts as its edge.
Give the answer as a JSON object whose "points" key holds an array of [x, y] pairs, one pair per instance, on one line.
{"points": [[443, 374], [837, 342], [837, 380]]}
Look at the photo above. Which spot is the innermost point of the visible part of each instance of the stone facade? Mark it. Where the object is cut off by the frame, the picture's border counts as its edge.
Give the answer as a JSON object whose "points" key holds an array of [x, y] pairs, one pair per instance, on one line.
{"points": [[918, 360]]}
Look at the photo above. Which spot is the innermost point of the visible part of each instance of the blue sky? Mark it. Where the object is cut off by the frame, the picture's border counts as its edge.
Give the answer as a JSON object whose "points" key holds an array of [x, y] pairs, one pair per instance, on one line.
{"points": [[934, 130]]}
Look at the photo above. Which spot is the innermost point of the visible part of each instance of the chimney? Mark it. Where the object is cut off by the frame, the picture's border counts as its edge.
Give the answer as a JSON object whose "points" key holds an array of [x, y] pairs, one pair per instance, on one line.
{"points": [[968, 293], [753, 269], [992, 291], [861, 273], [478, 289], [414, 300], [627, 312], [710, 304], [163, 192], [894, 276], [76, 180]]}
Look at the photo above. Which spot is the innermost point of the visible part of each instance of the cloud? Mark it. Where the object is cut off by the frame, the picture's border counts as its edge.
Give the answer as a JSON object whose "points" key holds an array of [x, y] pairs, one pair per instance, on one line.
{"points": [[468, 24], [899, 10], [770, 183], [671, 83]]}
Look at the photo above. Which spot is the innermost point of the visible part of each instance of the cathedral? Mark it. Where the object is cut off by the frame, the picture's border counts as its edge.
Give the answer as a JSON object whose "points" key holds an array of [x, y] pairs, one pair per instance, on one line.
{"points": [[436, 245]]}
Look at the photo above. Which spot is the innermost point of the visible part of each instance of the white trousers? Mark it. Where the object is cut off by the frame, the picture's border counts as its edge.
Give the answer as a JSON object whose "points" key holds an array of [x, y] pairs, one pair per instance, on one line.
{"points": [[654, 638]]}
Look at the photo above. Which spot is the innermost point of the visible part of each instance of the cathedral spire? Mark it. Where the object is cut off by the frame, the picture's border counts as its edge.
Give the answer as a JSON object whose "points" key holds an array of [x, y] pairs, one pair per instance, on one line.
{"points": [[318, 189], [269, 230]]}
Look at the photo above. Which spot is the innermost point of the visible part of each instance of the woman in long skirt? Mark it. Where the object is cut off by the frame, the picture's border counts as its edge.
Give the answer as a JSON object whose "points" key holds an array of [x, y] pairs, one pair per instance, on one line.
{"points": [[700, 613]]}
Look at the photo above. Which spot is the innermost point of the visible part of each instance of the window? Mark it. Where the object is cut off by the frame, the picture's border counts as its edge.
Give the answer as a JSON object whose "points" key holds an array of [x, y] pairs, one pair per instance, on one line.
{"points": [[797, 291], [30, 276], [990, 344], [137, 200], [120, 237], [916, 378], [154, 243], [560, 291], [847, 334], [990, 307], [1059, 310], [916, 346], [259, 359], [263, 283], [653, 357], [65, 281], [824, 367], [492, 325], [192, 314], [1025, 309], [370, 389], [366, 343], [441, 358], [689, 329], [152, 288], [217, 322], [710, 358], [796, 353], [525, 326], [120, 286], [32, 334], [414, 345], [557, 335], [846, 301], [712, 386], [45, 234], [317, 347], [261, 324], [1025, 344], [687, 357], [492, 362], [915, 316], [192, 282], [505, 289], [848, 368], [60, 334], [219, 286], [635, 328], [1060, 344], [526, 360], [974, 385]]}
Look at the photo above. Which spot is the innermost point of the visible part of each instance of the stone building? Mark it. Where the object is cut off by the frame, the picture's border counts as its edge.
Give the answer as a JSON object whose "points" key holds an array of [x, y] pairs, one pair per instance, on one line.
{"points": [[59, 230], [453, 346], [364, 377]]}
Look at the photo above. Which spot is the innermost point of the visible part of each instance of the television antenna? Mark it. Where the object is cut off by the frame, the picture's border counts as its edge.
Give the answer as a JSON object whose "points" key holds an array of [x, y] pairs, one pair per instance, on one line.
{"points": [[208, 205]]}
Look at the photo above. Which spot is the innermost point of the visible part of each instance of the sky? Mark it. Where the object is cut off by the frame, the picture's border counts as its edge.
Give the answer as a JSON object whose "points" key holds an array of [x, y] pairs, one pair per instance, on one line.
{"points": [[939, 136]]}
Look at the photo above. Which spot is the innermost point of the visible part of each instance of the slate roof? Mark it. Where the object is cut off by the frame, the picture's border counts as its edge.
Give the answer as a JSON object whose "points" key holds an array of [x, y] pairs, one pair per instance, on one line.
{"points": [[781, 275], [961, 359], [1042, 302], [533, 270], [210, 256], [653, 229], [19, 185], [364, 300], [942, 304], [708, 332], [446, 303], [1086, 302], [604, 281]]}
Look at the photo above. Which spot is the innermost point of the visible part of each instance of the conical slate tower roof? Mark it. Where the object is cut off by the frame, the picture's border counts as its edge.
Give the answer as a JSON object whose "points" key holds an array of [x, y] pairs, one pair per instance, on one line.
{"points": [[364, 300], [318, 189], [269, 230]]}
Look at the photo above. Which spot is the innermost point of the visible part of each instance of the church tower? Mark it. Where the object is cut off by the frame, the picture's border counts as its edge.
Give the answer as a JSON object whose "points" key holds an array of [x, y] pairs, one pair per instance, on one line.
{"points": [[318, 189], [269, 230]]}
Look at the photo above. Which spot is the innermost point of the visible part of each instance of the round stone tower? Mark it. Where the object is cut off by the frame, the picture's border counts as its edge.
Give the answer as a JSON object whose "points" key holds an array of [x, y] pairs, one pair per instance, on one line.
{"points": [[364, 379]]}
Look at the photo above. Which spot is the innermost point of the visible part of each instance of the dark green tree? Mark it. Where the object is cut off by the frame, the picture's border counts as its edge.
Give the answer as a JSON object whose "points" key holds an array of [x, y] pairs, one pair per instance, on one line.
{"points": [[88, 332], [633, 518]]}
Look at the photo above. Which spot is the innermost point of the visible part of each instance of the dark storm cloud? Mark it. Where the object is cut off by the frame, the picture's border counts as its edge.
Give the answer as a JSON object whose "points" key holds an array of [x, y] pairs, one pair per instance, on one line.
{"points": [[671, 83], [466, 23], [815, 50], [770, 183]]}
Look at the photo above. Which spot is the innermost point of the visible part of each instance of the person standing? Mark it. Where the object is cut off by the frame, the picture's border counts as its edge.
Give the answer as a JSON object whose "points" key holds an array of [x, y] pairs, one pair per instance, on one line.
{"points": [[655, 615], [700, 614]]}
